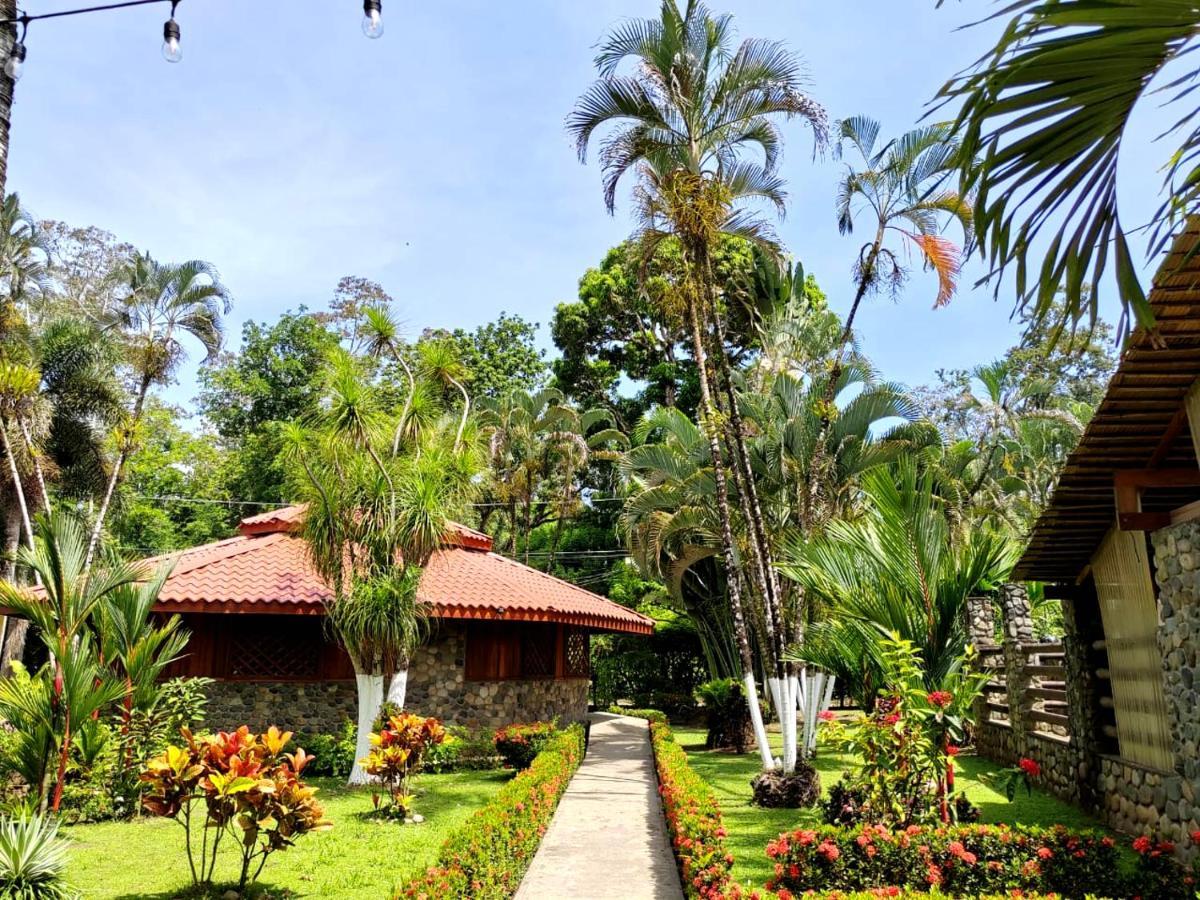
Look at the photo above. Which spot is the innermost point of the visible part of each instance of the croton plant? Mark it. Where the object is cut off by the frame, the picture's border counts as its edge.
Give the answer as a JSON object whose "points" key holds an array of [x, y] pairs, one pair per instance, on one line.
{"points": [[397, 754], [244, 785]]}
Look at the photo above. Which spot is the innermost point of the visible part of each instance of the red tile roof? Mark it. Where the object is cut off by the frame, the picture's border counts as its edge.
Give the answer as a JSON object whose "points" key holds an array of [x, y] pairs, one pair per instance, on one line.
{"points": [[266, 569]]}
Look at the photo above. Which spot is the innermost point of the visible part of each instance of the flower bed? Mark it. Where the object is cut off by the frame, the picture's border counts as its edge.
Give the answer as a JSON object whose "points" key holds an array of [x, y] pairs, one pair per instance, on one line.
{"points": [[488, 856], [961, 861]]}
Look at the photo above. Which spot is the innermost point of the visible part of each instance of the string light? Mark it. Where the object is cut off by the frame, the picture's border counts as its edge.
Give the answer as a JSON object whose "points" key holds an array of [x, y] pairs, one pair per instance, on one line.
{"points": [[171, 50], [372, 26]]}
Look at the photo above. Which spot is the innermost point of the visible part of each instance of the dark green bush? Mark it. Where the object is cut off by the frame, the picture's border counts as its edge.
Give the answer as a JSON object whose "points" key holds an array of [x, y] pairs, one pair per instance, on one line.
{"points": [[333, 754], [517, 745]]}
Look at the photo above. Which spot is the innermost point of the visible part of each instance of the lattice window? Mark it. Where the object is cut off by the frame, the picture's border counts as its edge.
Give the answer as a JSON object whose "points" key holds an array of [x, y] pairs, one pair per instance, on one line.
{"points": [[577, 659], [537, 654], [270, 656]]}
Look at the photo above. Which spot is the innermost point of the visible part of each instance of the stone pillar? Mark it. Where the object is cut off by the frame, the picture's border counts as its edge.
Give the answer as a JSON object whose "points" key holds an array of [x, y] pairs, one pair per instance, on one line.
{"points": [[1017, 620], [981, 621], [1082, 705]]}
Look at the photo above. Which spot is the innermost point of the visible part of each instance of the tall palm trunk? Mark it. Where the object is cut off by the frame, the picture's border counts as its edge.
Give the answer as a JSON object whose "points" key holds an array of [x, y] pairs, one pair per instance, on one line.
{"points": [[38, 474], [18, 485], [8, 37], [711, 431], [115, 475]]}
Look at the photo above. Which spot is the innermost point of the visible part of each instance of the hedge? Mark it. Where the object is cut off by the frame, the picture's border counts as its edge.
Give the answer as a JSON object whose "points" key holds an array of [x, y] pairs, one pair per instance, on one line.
{"points": [[487, 857]]}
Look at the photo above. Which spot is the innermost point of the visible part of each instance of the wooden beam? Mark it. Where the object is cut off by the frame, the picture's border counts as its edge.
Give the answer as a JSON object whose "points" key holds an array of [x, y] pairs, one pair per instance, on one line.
{"points": [[1128, 485], [1178, 423]]}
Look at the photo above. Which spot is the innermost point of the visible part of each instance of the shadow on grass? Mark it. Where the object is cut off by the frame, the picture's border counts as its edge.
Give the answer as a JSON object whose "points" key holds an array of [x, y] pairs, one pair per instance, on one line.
{"points": [[216, 892]]}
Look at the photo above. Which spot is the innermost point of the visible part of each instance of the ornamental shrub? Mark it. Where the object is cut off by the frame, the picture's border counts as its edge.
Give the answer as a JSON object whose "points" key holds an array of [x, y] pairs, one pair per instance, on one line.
{"points": [[332, 754], [487, 857], [33, 860], [962, 860], [650, 715], [397, 754], [1158, 876], [244, 786], [518, 745]]}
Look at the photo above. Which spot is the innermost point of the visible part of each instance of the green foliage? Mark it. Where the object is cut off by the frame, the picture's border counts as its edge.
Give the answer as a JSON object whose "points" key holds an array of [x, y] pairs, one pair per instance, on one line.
{"points": [[501, 356], [332, 754], [966, 860], [397, 755], [518, 745], [728, 715], [1042, 148], [898, 570], [909, 740], [487, 857], [33, 860], [661, 670]]}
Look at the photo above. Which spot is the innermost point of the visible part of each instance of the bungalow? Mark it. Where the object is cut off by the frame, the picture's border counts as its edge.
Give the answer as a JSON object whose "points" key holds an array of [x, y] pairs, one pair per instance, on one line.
{"points": [[507, 643], [1118, 727]]}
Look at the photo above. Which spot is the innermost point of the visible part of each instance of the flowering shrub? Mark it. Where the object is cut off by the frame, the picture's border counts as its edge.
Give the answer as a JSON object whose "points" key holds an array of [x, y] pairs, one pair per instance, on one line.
{"points": [[1157, 876], [650, 715], [248, 788], [907, 743], [959, 861], [487, 857], [693, 819], [397, 754], [518, 745]]}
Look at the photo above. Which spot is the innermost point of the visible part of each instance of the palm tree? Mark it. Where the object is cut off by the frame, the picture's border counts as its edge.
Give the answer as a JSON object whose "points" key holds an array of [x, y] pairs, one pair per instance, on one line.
{"points": [[373, 520], [63, 614], [440, 364], [682, 120], [1045, 112], [538, 444], [901, 190], [897, 570], [166, 302]]}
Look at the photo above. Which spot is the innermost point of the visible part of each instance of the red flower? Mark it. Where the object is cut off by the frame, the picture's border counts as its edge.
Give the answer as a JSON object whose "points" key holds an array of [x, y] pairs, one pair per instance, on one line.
{"points": [[1196, 837], [826, 715], [1141, 844], [940, 699], [1045, 852], [952, 749], [1030, 767], [829, 850], [891, 718]]}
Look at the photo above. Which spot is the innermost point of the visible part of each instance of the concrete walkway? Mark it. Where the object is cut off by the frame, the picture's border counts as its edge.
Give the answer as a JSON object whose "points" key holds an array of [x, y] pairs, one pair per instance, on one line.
{"points": [[608, 838]]}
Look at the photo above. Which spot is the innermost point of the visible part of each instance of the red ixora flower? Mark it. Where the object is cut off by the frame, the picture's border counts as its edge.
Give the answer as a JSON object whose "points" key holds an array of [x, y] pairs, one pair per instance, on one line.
{"points": [[940, 699], [1141, 844], [1196, 837], [1030, 767], [826, 715]]}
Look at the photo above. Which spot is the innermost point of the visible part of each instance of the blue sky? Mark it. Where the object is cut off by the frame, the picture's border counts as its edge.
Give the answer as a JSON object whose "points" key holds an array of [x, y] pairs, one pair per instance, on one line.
{"points": [[289, 150]]}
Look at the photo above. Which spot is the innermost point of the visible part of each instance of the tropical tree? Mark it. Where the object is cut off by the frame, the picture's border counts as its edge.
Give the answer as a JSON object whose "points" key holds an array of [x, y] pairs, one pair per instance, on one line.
{"points": [[1045, 115], [683, 120], [901, 190], [74, 684], [373, 519], [166, 302], [898, 570], [538, 447]]}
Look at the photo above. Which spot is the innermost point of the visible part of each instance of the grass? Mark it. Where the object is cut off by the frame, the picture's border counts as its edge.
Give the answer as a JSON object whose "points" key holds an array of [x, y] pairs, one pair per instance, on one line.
{"points": [[358, 858], [750, 827]]}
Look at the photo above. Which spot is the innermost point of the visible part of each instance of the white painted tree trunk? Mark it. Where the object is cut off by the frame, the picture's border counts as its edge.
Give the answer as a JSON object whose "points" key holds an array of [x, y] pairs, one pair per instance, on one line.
{"points": [[788, 720], [398, 688], [370, 698], [756, 720]]}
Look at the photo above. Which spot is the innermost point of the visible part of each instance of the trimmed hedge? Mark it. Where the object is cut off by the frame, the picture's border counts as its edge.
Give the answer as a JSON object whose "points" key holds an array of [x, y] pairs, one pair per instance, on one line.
{"points": [[487, 857], [650, 715], [518, 745], [964, 860]]}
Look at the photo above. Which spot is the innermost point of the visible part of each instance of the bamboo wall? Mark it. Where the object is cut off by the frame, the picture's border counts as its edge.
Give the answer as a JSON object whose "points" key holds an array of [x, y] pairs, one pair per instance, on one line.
{"points": [[1129, 610]]}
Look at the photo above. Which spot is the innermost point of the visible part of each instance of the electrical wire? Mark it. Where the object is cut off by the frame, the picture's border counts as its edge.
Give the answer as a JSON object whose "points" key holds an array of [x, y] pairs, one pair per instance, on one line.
{"points": [[26, 18]]}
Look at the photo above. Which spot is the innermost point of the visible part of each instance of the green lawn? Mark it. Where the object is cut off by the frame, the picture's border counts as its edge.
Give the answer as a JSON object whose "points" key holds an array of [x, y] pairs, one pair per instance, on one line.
{"points": [[358, 858], [751, 827]]}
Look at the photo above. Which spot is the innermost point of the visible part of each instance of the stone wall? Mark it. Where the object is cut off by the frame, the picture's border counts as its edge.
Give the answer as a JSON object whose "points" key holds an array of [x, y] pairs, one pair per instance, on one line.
{"points": [[436, 687], [1177, 573]]}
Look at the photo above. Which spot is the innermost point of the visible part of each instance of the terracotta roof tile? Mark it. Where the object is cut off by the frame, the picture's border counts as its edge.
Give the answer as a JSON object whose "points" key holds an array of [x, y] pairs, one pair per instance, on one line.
{"points": [[266, 569]]}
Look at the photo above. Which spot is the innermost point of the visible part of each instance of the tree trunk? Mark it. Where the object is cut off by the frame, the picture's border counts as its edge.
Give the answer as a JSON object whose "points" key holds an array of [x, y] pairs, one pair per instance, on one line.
{"points": [[38, 474], [711, 430], [398, 687], [370, 699], [114, 477], [8, 37], [18, 485]]}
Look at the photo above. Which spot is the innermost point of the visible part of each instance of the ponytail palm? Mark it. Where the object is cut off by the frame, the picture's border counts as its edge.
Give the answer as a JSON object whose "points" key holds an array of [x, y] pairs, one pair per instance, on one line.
{"points": [[896, 570]]}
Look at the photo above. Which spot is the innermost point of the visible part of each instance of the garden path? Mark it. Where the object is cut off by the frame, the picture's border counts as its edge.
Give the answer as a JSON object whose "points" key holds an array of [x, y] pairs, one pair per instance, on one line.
{"points": [[608, 838]]}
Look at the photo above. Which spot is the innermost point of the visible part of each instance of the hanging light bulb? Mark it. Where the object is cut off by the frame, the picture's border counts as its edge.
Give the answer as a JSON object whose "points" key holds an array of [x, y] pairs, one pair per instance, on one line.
{"points": [[171, 50], [372, 23], [14, 66]]}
